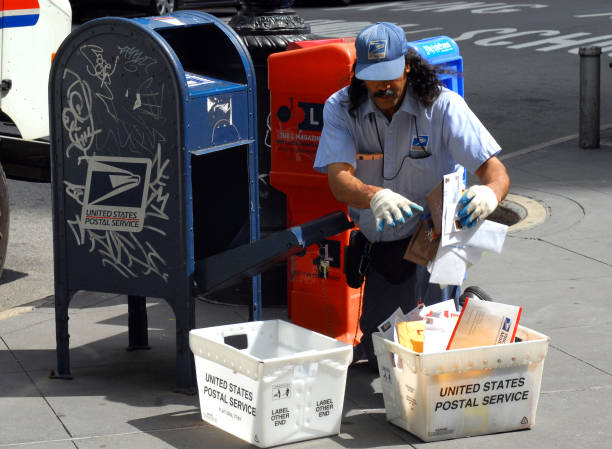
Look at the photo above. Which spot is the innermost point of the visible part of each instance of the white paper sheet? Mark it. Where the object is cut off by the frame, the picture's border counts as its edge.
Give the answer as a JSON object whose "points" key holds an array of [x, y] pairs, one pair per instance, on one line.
{"points": [[387, 327], [448, 267], [460, 247], [438, 332], [487, 236], [453, 187], [439, 309]]}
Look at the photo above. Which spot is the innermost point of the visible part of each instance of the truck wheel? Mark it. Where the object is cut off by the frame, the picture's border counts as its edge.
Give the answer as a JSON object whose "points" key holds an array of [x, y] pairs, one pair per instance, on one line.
{"points": [[4, 219]]}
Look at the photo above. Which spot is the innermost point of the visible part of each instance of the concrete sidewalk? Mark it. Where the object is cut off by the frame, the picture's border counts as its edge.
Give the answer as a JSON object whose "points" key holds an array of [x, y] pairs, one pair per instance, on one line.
{"points": [[560, 271]]}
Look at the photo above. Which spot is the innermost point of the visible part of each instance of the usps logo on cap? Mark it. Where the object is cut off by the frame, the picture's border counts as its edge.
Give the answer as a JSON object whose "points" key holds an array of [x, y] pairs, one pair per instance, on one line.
{"points": [[377, 49]]}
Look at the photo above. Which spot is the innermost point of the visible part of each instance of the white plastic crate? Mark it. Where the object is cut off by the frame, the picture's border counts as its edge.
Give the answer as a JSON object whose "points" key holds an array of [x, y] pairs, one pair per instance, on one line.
{"points": [[463, 392], [286, 385]]}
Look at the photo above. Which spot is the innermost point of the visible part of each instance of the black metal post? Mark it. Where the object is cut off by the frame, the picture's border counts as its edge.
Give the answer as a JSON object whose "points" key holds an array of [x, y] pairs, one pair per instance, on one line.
{"points": [[589, 97], [138, 326], [268, 26]]}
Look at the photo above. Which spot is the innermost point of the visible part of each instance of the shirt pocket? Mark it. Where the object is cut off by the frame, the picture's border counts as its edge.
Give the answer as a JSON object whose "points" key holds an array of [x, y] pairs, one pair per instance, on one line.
{"points": [[423, 165], [369, 169]]}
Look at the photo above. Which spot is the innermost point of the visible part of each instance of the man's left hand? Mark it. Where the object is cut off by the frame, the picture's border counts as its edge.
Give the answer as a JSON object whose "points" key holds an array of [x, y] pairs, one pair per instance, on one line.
{"points": [[477, 204]]}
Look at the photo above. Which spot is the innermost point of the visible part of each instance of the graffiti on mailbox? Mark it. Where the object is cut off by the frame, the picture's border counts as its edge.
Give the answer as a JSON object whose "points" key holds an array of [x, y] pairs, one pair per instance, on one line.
{"points": [[220, 114], [128, 107], [108, 228], [77, 116], [98, 67], [118, 175]]}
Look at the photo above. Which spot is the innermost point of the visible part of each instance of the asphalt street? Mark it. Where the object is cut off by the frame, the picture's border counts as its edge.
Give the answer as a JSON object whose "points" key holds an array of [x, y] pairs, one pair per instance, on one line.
{"points": [[521, 67]]}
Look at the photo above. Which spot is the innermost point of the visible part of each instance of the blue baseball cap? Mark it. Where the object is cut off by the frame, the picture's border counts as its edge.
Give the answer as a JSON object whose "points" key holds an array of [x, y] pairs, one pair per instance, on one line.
{"points": [[380, 52]]}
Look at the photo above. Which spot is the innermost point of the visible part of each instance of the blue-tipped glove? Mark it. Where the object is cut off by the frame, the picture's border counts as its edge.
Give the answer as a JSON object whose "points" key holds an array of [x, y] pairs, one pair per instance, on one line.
{"points": [[392, 208], [476, 204]]}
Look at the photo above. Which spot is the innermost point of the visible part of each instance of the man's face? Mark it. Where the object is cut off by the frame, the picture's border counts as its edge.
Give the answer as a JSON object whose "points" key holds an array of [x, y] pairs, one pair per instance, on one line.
{"points": [[388, 95]]}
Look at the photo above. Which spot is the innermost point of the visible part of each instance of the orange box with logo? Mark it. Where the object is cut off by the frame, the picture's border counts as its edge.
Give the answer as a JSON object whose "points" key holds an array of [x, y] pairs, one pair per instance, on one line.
{"points": [[300, 80]]}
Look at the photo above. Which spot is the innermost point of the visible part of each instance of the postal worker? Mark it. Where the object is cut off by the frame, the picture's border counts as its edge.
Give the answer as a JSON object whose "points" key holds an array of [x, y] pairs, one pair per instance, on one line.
{"points": [[388, 139]]}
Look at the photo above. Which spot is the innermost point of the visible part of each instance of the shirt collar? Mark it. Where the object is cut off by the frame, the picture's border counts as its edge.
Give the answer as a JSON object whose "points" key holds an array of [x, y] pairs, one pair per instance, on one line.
{"points": [[410, 105], [368, 107]]}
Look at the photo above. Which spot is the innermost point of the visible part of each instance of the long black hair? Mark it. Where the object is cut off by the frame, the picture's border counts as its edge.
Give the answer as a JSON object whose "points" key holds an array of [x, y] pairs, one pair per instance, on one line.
{"points": [[422, 78]]}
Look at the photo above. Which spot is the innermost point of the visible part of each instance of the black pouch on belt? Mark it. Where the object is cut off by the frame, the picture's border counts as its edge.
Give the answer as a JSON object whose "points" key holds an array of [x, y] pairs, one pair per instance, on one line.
{"points": [[387, 258], [356, 259]]}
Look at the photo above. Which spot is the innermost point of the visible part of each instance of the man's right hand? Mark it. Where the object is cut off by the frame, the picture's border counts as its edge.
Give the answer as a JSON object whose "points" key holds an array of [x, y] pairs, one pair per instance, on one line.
{"points": [[391, 207]]}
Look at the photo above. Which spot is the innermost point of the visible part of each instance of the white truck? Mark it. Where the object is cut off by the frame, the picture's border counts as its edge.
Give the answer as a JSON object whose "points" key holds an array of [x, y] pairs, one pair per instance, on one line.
{"points": [[30, 34]]}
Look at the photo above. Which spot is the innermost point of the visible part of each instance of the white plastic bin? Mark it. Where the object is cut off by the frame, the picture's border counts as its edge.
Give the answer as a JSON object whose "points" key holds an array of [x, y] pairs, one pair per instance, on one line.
{"points": [[286, 385], [463, 392]]}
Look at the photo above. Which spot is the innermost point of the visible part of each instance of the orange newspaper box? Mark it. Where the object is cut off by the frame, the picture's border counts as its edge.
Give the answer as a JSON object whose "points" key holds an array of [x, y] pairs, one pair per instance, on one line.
{"points": [[300, 80]]}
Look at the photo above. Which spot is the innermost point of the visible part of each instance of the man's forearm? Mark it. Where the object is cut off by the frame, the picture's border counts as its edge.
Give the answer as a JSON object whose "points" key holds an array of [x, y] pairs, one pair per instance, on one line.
{"points": [[494, 175], [349, 189]]}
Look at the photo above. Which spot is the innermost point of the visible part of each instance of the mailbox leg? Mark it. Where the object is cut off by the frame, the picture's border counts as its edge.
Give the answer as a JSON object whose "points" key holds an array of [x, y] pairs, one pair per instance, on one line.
{"points": [[62, 338], [185, 369], [137, 323]]}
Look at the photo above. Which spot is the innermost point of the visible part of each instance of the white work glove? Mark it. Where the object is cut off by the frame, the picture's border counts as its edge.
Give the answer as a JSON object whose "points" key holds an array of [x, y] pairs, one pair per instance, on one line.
{"points": [[391, 207], [476, 204]]}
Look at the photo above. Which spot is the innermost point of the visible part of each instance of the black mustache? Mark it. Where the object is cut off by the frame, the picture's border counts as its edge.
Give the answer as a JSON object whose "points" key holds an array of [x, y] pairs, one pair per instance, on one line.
{"points": [[386, 92]]}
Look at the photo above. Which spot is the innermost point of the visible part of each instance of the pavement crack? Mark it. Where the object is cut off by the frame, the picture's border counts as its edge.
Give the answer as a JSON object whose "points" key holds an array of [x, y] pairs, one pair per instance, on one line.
{"points": [[101, 301], [581, 360], [40, 392], [540, 239], [567, 198], [576, 253], [74, 440], [31, 325], [578, 390]]}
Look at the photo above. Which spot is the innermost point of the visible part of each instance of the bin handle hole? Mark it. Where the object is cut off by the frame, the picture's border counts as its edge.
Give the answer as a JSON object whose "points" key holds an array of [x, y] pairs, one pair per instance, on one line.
{"points": [[239, 341]]}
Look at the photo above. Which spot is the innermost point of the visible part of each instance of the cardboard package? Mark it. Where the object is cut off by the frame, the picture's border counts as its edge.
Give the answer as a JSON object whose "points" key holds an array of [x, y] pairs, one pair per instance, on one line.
{"points": [[410, 334], [424, 243], [485, 323]]}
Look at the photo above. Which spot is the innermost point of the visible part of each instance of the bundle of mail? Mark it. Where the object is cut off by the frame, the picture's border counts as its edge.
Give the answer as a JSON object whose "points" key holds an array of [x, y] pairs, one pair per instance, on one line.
{"points": [[441, 327], [444, 248]]}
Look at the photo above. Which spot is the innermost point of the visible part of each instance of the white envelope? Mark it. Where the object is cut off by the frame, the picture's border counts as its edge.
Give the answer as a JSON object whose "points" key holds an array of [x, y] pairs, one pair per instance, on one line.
{"points": [[487, 236], [387, 327], [438, 331], [448, 267]]}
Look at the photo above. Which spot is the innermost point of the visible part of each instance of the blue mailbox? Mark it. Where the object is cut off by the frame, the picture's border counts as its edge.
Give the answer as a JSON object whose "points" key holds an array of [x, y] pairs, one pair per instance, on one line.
{"points": [[154, 165], [443, 52]]}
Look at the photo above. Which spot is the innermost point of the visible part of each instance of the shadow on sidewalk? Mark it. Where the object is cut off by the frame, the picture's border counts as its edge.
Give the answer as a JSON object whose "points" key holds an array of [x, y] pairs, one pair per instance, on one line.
{"points": [[363, 424]]}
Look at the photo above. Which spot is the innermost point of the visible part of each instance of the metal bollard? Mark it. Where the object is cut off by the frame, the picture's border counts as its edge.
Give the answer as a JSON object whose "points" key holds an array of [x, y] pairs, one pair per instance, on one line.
{"points": [[589, 97]]}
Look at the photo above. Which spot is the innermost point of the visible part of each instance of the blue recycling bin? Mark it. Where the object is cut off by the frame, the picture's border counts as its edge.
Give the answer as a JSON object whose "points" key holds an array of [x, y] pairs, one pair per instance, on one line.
{"points": [[443, 52], [154, 165]]}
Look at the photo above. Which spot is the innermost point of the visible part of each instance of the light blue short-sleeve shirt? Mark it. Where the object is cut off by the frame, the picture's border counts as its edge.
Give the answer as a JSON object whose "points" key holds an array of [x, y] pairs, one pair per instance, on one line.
{"points": [[420, 146]]}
